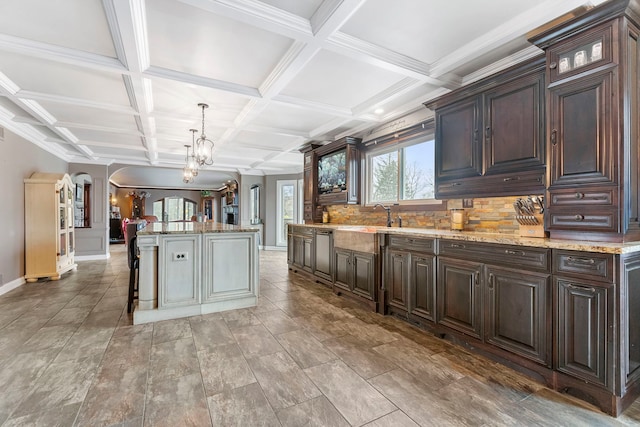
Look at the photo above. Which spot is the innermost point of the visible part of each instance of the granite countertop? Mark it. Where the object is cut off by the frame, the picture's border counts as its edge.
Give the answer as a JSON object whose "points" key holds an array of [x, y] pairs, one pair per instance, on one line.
{"points": [[506, 239], [190, 227]]}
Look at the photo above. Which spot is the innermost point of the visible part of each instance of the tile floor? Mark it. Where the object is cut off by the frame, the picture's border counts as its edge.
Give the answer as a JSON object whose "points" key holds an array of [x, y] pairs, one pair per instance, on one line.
{"points": [[69, 356]]}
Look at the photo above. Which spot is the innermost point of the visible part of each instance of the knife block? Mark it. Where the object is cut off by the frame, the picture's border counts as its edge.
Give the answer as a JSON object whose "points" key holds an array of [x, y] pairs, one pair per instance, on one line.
{"points": [[534, 230]]}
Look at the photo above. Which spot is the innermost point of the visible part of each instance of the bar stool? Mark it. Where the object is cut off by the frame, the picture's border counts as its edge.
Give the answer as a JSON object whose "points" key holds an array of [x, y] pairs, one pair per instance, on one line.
{"points": [[134, 263]]}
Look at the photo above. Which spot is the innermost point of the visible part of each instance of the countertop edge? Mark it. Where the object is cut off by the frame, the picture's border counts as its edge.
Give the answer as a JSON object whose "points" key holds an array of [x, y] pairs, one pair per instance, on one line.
{"points": [[471, 236]]}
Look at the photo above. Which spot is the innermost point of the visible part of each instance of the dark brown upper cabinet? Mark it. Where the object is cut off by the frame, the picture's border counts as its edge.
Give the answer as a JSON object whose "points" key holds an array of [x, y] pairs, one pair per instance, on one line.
{"points": [[340, 183], [490, 135], [458, 149], [514, 126], [592, 124]]}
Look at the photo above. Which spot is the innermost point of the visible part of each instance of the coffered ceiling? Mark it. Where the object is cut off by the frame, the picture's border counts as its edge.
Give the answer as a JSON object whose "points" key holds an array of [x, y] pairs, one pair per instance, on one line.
{"points": [[118, 81]]}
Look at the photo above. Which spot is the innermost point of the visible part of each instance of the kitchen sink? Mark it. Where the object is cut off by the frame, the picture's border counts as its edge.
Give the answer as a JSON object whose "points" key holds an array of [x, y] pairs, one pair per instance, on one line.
{"points": [[363, 239]]}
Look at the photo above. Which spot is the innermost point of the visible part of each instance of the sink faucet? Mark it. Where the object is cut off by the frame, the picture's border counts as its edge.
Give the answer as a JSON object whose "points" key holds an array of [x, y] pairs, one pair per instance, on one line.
{"points": [[388, 209]]}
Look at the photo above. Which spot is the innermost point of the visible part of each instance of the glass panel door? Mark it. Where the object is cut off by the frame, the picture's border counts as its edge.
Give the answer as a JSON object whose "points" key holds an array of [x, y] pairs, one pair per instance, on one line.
{"points": [[287, 209]]}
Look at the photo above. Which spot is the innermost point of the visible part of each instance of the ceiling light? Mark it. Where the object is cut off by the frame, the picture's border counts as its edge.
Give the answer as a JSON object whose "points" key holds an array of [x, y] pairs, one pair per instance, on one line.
{"points": [[379, 111], [190, 170], [203, 148]]}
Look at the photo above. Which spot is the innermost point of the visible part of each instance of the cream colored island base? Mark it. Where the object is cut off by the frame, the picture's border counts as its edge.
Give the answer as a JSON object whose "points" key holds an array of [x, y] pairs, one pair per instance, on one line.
{"points": [[188, 269]]}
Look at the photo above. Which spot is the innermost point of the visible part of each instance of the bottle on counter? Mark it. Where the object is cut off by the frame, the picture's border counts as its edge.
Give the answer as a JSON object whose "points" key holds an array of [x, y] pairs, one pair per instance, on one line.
{"points": [[325, 216]]}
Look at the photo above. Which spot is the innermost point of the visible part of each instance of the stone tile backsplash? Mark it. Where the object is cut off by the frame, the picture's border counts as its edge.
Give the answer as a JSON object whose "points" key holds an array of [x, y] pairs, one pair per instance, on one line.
{"points": [[488, 215]]}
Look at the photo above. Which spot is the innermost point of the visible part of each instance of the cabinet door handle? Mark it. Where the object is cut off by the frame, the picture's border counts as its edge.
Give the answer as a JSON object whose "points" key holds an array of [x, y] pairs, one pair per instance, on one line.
{"points": [[582, 288], [492, 280], [584, 261], [487, 132], [511, 178], [553, 65], [475, 135], [476, 278], [579, 195], [456, 245], [579, 217], [554, 137], [512, 252]]}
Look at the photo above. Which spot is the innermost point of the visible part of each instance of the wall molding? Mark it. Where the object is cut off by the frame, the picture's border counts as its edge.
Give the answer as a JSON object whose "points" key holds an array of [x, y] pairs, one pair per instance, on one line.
{"points": [[100, 257], [9, 286]]}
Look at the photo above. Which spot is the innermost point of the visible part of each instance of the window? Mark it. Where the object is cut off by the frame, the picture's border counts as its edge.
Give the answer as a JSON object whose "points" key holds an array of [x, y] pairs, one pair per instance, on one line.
{"points": [[402, 173], [177, 208]]}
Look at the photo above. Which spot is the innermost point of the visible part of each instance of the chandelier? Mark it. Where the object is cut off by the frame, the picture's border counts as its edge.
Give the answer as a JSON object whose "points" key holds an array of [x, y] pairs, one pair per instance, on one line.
{"points": [[203, 147]]}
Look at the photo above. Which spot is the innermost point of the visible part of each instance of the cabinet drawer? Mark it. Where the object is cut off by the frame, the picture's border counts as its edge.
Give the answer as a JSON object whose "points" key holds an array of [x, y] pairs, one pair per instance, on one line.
{"points": [[512, 256], [583, 197], [504, 184], [588, 265], [585, 220], [301, 231], [412, 244]]}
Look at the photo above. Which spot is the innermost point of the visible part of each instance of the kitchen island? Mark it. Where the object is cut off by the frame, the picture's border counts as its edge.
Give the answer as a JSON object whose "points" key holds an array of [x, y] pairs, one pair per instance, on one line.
{"points": [[192, 268]]}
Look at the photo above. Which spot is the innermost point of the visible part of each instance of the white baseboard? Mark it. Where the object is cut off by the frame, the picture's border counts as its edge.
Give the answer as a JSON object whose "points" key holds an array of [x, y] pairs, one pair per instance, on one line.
{"points": [[9, 286], [100, 257], [275, 248]]}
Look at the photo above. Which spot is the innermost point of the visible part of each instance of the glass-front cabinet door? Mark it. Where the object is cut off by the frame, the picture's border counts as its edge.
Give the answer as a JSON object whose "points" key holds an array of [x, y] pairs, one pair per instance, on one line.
{"points": [[591, 50], [66, 244]]}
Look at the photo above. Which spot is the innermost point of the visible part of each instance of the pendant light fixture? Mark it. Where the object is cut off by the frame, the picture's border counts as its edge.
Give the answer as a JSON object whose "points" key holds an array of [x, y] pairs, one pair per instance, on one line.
{"points": [[188, 172], [203, 146]]}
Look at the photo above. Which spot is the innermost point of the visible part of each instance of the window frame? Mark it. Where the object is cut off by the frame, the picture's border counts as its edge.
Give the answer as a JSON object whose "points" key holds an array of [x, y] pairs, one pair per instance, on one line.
{"points": [[396, 142]]}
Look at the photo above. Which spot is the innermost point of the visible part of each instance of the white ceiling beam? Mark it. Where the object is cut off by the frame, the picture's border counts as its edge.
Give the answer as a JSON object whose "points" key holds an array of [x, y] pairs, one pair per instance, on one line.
{"points": [[60, 54], [67, 100], [258, 14]]}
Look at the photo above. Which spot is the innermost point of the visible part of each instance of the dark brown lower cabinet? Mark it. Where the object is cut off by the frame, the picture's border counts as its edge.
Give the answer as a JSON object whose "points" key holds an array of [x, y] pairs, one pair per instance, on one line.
{"points": [[459, 295], [300, 247], [410, 278], [355, 273], [422, 287], [584, 317], [517, 312], [398, 279]]}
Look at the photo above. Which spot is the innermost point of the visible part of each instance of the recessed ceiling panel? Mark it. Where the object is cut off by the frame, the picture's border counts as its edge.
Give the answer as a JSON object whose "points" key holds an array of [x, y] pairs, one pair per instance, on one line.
{"points": [[75, 24], [282, 116], [181, 100], [55, 78], [333, 79], [267, 141], [429, 29], [304, 9], [90, 117], [193, 41]]}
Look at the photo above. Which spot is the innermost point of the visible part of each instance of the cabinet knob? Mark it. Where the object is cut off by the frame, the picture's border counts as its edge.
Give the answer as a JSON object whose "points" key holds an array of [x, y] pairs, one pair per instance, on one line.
{"points": [[554, 137], [456, 245], [579, 217], [553, 65], [492, 279], [487, 132], [579, 195]]}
